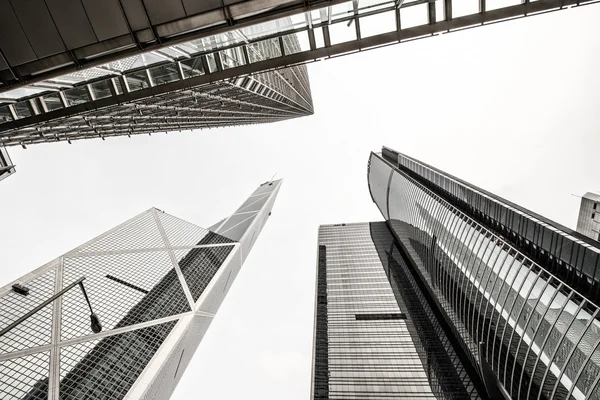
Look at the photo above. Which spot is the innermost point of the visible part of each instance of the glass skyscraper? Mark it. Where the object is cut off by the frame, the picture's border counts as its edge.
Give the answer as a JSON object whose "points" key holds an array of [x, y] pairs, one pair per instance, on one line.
{"points": [[155, 282], [376, 336], [516, 294], [6, 166], [183, 87]]}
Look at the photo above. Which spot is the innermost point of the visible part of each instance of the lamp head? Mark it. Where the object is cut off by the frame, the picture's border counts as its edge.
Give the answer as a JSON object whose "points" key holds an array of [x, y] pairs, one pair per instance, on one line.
{"points": [[95, 323]]}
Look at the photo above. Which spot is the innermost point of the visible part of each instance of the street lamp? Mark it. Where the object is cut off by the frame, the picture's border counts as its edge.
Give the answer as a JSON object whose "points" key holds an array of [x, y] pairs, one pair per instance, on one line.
{"points": [[94, 320]]}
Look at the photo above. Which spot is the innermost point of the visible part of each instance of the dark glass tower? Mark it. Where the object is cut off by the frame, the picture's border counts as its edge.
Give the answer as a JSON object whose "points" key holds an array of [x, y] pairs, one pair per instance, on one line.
{"points": [[156, 283], [515, 293]]}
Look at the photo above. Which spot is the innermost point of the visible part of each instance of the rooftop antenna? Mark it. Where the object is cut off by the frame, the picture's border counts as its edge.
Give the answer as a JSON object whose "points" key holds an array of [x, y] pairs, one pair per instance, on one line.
{"points": [[273, 177]]}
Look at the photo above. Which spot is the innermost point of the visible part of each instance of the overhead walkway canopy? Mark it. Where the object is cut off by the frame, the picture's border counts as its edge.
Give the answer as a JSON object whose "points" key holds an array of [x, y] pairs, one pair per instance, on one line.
{"points": [[40, 39], [44, 39]]}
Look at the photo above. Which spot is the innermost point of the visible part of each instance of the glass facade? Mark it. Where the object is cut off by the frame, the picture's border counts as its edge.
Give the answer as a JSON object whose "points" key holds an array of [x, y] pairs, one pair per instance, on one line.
{"points": [[6, 166], [156, 93], [155, 282], [517, 290], [376, 336]]}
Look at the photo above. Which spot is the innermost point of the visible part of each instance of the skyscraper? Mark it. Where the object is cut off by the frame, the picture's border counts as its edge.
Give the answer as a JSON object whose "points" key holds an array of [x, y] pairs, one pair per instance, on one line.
{"points": [[154, 92], [155, 282], [515, 293], [6, 166], [588, 222], [376, 337], [188, 86]]}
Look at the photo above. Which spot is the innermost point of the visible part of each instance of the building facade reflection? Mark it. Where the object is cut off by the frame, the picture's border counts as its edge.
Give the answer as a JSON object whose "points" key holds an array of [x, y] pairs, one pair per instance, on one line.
{"points": [[518, 291]]}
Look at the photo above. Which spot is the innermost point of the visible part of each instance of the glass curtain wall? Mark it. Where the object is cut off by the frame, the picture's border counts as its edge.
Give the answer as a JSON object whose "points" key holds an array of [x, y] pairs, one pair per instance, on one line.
{"points": [[539, 336], [376, 336]]}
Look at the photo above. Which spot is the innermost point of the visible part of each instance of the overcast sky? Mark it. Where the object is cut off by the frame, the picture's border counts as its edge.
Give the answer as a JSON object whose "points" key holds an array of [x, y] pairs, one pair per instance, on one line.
{"points": [[513, 108]]}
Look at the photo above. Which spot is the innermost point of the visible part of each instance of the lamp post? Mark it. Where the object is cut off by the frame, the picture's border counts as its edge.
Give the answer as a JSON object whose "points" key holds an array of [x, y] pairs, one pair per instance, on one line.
{"points": [[94, 320]]}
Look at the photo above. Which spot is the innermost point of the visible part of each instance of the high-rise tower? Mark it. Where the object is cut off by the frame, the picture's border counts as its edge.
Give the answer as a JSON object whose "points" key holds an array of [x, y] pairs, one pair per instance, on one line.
{"points": [[6, 166], [515, 293], [156, 92], [376, 336], [155, 282], [588, 221]]}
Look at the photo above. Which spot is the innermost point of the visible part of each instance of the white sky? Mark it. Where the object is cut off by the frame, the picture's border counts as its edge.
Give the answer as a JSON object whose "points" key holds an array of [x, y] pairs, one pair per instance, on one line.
{"points": [[512, 107]]}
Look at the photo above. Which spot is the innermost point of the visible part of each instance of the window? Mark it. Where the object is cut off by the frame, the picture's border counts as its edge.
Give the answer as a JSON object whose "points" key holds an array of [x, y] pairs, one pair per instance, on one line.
{"points": [[595, 204], [593, 215]]}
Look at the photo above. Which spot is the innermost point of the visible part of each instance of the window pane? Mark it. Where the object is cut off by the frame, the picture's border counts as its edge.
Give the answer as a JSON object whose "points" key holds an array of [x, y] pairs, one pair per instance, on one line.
{"points": [[101, 89], [192, 67], [341, 32], [164, 74], [137, 80], [232, 57], [52, 101], [22, 109], [264, 50], [76, 96], [5, 115]]}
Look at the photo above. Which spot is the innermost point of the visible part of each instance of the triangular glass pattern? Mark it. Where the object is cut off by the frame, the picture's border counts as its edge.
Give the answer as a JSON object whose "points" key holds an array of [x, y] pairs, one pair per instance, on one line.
{"points": [[33, 332], [140, 233], [266, 188], [215, 238], [255, 204], [214, 299], [124, 289], [252, 199], [180, 232], [107, 368], [25, 378], [235, 229], [233, 221], [36, 330], [215, 226], [200, 265]]}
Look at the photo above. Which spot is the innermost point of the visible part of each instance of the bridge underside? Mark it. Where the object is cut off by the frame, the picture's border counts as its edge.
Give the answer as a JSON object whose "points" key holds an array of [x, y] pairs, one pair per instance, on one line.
{"points": [[40, 40]]}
